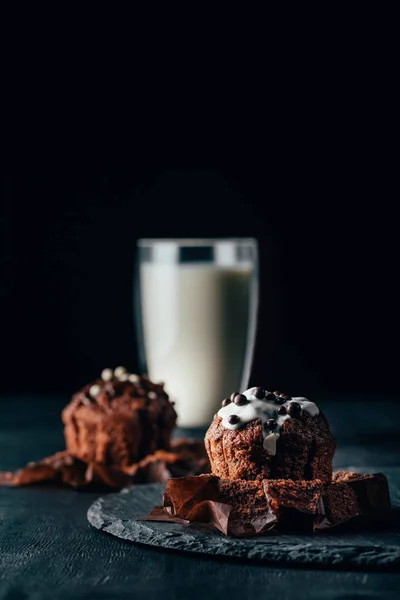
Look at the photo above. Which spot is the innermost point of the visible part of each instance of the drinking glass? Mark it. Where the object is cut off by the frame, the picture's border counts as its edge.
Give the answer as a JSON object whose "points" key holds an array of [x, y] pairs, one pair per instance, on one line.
{"points": [[196, 307]]}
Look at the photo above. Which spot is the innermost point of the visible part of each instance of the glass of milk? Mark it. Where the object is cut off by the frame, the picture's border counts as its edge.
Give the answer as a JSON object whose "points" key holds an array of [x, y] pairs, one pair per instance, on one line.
{"points": [[196, 308]]}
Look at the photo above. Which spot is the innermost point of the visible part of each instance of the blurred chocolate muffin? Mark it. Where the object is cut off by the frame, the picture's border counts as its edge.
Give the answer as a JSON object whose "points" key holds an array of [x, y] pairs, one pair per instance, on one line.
{"points": [[269, 435], [118, 419]]}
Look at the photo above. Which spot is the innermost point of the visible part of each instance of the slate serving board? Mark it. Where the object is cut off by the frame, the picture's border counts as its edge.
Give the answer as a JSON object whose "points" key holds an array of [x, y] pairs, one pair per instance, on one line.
{"points": [[352, 546]]}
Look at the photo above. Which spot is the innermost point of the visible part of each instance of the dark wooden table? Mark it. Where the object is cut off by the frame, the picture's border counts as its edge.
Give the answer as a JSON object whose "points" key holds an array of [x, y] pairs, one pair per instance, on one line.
{"points": [[48, 549]]}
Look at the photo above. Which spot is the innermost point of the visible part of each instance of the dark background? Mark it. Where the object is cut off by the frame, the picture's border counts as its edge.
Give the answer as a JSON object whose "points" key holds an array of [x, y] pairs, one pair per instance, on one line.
{"points": [[104, 143], [325, 220]]}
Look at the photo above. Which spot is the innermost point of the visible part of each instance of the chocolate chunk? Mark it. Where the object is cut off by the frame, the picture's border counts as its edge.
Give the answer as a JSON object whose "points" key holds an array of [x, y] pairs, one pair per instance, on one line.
{"points": [[281, 410], [294, 409], [259, 393], [271, 424], [233, 419], [240, 400], [270, 396], [226, 401]]}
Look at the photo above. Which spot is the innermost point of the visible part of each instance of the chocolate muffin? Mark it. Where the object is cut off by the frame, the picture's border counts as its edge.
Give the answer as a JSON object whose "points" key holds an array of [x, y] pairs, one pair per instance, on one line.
{"points": [[268, 435], [118, 419]]}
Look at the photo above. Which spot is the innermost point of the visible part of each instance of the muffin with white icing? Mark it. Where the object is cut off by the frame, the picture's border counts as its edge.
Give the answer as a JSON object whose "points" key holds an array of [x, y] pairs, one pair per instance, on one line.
{"points": [[269, 435]]}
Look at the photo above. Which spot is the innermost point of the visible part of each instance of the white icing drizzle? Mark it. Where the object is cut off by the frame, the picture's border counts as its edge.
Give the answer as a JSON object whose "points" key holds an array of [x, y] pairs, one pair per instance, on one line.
{"points": [[264, 410]]}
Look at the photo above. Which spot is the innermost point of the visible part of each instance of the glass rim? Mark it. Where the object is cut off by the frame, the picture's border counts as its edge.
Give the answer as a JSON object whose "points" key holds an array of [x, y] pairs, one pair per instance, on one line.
{"points": [[143, 242]]}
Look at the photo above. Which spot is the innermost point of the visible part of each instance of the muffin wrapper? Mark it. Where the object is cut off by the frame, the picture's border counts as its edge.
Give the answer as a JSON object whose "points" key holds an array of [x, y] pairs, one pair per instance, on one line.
{"points": [[197, 500], [185, 458]]}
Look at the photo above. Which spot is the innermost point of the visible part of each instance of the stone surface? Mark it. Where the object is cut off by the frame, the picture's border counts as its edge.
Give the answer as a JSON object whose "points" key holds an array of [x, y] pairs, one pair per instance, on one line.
{"points": [[348, 547], [49, 551]]}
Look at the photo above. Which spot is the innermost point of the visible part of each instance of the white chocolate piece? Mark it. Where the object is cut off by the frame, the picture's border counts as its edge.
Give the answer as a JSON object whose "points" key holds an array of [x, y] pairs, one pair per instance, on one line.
{"points": [[107, 374], [119, 371], [152, 395], [270, 443], [134, 378], [123, 377], [263, 410], [94, 390]]}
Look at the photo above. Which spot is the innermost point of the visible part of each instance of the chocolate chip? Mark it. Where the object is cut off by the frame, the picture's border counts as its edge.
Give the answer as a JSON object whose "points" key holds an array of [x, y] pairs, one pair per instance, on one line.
{"points": [[271, 424], [232, 396], [277, 393], [279, 400], [233, 419], [226, 401], [259, 393], [286, 397], [294, 409], [240, 400], [281, 410], [270, 396]]}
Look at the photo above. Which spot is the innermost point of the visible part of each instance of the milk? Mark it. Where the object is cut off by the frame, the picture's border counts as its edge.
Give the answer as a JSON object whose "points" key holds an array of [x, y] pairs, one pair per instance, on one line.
{"points": [[198, 324]]}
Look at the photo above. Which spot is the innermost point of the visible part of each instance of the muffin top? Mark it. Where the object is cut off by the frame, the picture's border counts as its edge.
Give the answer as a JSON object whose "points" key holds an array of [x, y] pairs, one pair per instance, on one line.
{"points": [[272, 408], [118, 391]]}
